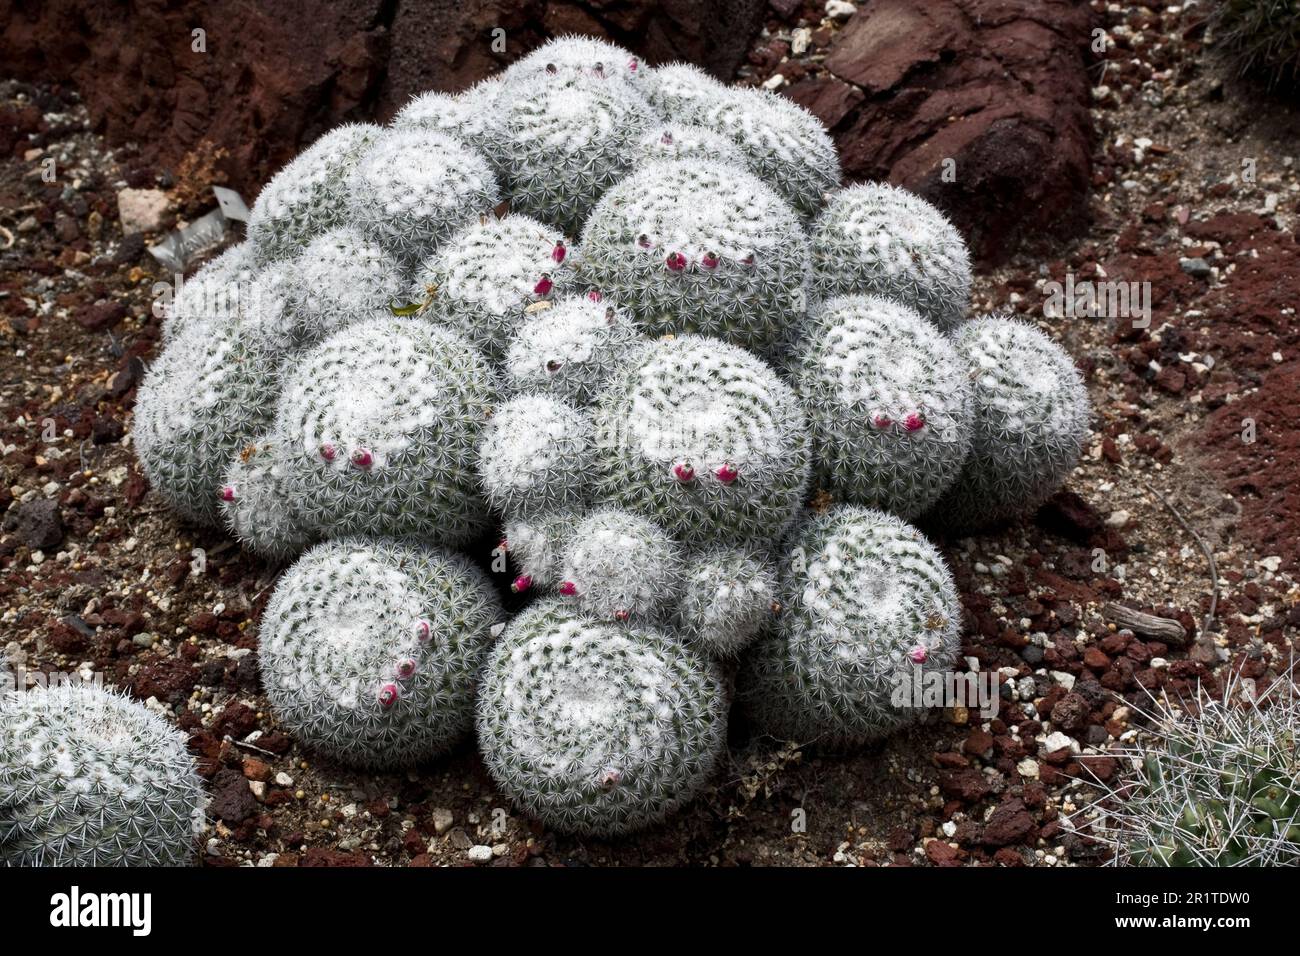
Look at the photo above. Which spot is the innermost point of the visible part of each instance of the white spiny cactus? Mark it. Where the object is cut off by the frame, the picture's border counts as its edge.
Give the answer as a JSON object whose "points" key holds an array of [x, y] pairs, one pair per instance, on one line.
{"points": [[572, 350], [693, 144], [536, 456], [728, 596], [679, 92], [619, 566]]}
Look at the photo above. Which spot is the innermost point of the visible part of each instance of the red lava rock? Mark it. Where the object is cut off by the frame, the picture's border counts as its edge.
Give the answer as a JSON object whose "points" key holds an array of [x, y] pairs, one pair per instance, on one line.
{"points": [[169, 679], [978, 742], [1070, 713], [319, 856], [1171, 380], [100, 316], [1002, 90], [232, 801], [1010, 823], [237, 721], [1099, 765], [255, 769], [828, 98], [941, 854], [968, 785], [1095, 658], [1007, 856], [37, 523]]}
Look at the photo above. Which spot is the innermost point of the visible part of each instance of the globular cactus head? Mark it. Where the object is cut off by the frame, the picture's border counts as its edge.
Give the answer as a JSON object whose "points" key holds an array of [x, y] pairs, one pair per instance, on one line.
{"points": [[536, 545], [572, 350], [256, 505], [212, 296], [380, 422], [865, 602], [705, 440], [485, 279], [369, 650], [728, 596], [621, 567], [535, 456], [466, 116], [1029, 424], [413, 188], [784, 145], [594, 728], [679, 92], [878, 239], [559, 147], [309, 195], [699, 248], [89, 777], [207, 395], [576, 61], [685, 143], [888, 402]]}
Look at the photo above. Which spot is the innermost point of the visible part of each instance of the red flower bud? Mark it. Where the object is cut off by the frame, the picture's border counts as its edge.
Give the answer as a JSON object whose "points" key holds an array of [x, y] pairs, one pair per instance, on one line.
{"points": [[544, 285], [521, 584], [676, 262], [227, 493], [568, 588], [914, 422], [363, 459], [388, 695], [683, 472], [328, 451], [726, 473], [710, 260], [559, 252]]}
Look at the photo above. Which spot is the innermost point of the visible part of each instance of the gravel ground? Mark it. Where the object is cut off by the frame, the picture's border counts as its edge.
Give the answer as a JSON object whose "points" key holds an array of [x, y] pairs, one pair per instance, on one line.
{"points": [[100, 577]]}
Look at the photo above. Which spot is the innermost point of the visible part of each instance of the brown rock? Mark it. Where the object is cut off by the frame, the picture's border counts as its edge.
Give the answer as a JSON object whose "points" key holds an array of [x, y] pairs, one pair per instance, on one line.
{"points": [[1010, 823]]}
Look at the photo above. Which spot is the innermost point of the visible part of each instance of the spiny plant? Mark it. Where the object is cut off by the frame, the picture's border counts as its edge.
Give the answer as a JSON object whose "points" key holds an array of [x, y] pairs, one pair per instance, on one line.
{"points": [[727, 596], [309, 195], [1030, 420], [705, 440], [413, 188], [536, 455], [695, 144], [679, 92], [620, 566], [255, 501], [1261, 38], [210, 392], [888, 402], [865, 601], [1219, 785], [380, 422], [594, 728], [465, 116], [877, 239], [89, 777], [212, 295], [536, 545], [576, 60], [559, 148], [370, 649], [570, 351], [485, 280], [699, 248]]}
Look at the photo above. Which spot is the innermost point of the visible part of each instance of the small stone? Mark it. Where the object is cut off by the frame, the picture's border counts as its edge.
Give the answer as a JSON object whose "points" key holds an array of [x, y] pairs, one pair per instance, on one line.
{"points": [[840, 9], [37, 523], [1028, 768], [500, 849], [1198, 268], [282, 779], [1058, 741], [1118, 519], [141, 210], [442, 820], [480, 853]]}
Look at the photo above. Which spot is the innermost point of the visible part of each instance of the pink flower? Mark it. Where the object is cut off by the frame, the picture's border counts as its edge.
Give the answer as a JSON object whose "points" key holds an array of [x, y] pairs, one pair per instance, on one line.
{"points": [[683, 472], [227, 493], [881, 420], [918, 654], [666, 138], [568, 588], [726, 473], [622, 614], [328, 451], [609, 778], [405, 668], [363, 459], [544, 285], [423, 631], [559, 252], [914, 422], [710, 260], [595, 295], [521, 584], [633, 65], [676, 262], [388, 695]]}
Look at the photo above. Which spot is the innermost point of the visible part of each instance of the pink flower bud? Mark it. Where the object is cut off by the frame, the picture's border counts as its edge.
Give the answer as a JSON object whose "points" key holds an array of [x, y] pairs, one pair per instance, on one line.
{"points": [[559, 252], [328, 451], [423, 631], [622, 614], [633, 65], [227, 493], [568, 588], [521, 584], [643, 241], [553, 366], [726, 473], [918, 654], [405, 668], [676, 262], [710, 260], [363, 459], [914, 422], [544, 285], [748, 260], [683, 472], [881, 420], [666, 138], [388, 695], [610, 778], [595, 295]]}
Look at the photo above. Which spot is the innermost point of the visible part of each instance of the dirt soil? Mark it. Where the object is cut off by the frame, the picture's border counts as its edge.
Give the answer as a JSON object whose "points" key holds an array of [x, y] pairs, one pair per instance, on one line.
{"points": [[1194, 192]]}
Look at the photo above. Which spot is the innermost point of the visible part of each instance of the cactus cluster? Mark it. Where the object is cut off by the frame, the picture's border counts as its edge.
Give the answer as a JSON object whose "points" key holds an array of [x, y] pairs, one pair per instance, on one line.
{"points": [[89, 777], [627, 316]]}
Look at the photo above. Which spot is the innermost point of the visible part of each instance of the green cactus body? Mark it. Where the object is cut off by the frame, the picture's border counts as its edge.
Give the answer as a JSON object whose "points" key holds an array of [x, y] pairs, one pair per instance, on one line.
{"points": [[866, 601], [597, 729], [727, 598], [679, 92], [619, 566], [708, 249], [308, 196], [369, 650], [705, 440], [414, 188], [1030, 420], [380, 423], [256, 505], [888, 401], [212, 295], [485, 279], [571, 351], [536, 545], [693, 144], [877, 239], [209, 393], [89, 777], [535, 456]]}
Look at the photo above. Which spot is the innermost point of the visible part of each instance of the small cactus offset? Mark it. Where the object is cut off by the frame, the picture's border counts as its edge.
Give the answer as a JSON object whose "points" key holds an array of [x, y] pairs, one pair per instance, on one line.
{"points": [[699, 248], [485, 280], [577, 61], [865, 600], [728, 596], [413, 188], [464, 116], [212, 295], [308, 196], [705, 440], [255, 501], [594, 728], [889, 403], [536, 456], [1030, 420], [370, 650], [680, 92], [89, 777], [621, 567], [572, 350], [694, 144], [877, 239], [536, 545], [380, 423]]}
